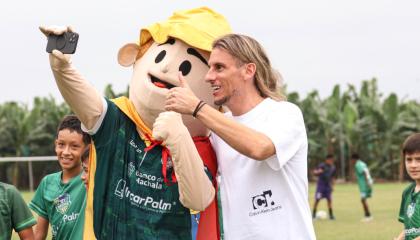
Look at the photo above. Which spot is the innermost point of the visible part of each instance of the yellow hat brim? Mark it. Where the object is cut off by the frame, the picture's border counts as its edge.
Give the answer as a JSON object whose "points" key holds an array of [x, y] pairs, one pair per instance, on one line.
{"points": [[197, 27]]}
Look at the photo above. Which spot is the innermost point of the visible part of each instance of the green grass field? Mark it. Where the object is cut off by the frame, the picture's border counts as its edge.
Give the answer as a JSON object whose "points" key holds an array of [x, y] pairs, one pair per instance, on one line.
{"points": [[348, 211], [384, 206]]}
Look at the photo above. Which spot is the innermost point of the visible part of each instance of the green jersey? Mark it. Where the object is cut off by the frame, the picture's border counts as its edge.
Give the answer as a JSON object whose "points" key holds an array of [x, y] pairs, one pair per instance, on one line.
{"points": [[14, 214], [131, 200], [362, 169], [62, 204], [410, 212]]}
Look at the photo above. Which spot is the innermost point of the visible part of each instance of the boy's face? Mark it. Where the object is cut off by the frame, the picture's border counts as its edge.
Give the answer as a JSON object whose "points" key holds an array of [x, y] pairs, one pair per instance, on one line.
{"points": [[69, 148], [85, 176], [412, 164]]}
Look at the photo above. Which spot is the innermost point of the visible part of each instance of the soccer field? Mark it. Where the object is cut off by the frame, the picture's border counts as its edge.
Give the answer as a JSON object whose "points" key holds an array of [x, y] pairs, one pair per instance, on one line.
{"points": [[384, 206]]}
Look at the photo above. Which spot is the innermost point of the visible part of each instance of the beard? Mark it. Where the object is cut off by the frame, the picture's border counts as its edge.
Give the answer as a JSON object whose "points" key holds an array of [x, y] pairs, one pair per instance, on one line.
{"points": [[225, 99], [222, 101]]}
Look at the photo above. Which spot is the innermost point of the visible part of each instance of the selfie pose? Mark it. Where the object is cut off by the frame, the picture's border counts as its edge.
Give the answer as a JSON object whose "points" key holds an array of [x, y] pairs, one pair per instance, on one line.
{"points": [[148, 172]]}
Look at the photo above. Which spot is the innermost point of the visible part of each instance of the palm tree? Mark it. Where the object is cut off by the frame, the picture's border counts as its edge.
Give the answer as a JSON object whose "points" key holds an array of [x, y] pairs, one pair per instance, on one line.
{"points": [[110, 93], [14, 131], [25, 132]]}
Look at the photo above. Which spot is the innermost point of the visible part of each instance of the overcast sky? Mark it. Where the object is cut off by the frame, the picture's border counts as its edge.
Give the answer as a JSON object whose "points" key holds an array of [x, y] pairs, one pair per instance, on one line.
{"points": [[314, 44]]}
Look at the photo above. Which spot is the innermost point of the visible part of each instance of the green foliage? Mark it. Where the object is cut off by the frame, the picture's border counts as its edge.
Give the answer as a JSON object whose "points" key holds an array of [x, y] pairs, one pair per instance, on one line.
{"points": [[25, 132], [347, 121], [109, 92], [362, 122]]}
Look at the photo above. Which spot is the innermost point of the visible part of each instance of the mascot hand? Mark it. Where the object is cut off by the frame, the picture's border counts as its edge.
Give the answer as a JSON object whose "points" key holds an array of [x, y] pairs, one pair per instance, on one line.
{"points": [[169, 128], [58, 60]]}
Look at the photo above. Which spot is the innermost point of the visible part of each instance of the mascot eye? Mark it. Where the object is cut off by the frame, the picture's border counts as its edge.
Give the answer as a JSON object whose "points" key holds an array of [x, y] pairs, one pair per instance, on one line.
{"points": [[160, 56], [185, 67]]}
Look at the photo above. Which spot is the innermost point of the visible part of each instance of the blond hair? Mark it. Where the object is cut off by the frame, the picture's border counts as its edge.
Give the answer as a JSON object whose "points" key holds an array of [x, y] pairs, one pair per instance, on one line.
{"points": [[247, 50]]}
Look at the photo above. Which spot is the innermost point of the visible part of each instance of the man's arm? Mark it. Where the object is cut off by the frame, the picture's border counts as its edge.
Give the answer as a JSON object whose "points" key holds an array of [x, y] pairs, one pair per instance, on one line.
{"points": [[41, 228], [26, 234], [245, 140]]}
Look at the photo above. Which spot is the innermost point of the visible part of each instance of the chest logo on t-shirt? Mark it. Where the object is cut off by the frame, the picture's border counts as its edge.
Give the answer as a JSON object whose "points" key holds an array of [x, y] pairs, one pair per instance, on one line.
{"points": [[263, 203], [62, 203], [410, 209], [262, 200]]}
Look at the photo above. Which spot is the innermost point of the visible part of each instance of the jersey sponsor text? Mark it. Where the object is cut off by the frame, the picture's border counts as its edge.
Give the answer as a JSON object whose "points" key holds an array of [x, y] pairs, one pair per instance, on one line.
{"points": [[148, 203]]}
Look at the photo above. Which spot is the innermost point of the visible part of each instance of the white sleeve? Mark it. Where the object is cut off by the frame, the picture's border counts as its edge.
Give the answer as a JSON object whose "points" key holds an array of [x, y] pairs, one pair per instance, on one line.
{"points": [[288, 134], [98, 124]]}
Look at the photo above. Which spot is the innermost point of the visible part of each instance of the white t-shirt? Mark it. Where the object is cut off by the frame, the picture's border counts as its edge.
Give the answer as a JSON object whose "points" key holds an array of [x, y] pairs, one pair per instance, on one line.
{"points": [[267, 199]]}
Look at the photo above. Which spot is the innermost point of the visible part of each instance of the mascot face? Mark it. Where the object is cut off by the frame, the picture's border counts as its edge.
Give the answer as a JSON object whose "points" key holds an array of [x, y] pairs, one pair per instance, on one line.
{"points": [[157, 71], [167, 48]]}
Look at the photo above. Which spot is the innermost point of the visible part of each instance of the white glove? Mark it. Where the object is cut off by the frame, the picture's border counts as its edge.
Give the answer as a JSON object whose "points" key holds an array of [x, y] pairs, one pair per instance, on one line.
{"points": [[168, 127], [58, 60], [83, 98], [195, 188]]}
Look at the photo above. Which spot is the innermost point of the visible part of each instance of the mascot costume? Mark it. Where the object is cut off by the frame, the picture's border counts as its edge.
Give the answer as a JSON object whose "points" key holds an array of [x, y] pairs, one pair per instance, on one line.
{"points": [[148, 168]]}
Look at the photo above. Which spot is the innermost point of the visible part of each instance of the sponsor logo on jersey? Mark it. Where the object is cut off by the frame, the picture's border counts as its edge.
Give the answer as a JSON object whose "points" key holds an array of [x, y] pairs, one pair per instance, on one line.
{"points": [[149, 180], [263, 203], [62, 203], [122, 191], [410, 209], [71, 217], [412, 232]]}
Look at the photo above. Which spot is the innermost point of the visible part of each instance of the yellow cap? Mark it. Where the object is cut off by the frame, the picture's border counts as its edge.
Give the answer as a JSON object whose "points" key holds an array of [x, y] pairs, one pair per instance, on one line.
{"points": [[197, 27]]}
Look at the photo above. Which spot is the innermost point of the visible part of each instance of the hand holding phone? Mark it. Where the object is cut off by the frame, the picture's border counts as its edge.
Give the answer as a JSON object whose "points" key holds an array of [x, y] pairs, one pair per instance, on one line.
{"points": [[65, 43]]}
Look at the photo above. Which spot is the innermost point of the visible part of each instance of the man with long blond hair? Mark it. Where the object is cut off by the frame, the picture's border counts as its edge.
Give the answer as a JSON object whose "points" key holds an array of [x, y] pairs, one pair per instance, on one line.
{"points": [[260, 144]]}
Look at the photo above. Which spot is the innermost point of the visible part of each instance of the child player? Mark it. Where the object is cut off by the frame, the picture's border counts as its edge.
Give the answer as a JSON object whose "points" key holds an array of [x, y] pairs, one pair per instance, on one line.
{"points": [[410, 203], [60, 197]]}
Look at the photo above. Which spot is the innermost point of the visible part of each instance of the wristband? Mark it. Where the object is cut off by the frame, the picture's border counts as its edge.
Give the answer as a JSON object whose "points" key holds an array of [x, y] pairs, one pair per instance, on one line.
{"points": [[198, 107]]}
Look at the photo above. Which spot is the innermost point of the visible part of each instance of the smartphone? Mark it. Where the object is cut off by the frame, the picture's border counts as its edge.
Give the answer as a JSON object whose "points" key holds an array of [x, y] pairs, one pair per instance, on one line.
{"points": [[65, 43]]}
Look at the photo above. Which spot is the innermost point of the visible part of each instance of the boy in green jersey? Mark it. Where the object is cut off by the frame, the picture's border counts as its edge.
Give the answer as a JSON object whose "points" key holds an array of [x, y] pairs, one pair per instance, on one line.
{"points": [[14, 214], [365, 183], [85, 165], [60, 197], [410, 203]]}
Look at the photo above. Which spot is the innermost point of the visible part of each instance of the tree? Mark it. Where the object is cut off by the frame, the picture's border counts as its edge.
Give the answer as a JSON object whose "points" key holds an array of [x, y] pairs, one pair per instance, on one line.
{"points": [[25, 132], [359, 121], [109, 92], [16, 124]]}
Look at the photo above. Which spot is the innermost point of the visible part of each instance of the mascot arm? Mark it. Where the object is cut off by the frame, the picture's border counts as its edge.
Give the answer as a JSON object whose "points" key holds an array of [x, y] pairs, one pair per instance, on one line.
{"points": [[82, 97], [195, 188]]}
